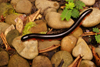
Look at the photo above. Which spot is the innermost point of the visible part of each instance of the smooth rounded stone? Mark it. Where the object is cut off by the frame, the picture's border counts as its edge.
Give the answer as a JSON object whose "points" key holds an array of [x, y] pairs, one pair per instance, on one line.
{"points": [[61, 56], [3, 27], [4, 58], [87, 63], [92, 19], [49, 10], [41, 61], [10, 19], [27, 49], [46, 44], [77, 32], [88, 2], [82, 49], [54, 20], [23, 6], [17, 61], [46, 4], [14, 2], [40, 27], [11, 35], [68, 43], [4, 8], [97, 50]]}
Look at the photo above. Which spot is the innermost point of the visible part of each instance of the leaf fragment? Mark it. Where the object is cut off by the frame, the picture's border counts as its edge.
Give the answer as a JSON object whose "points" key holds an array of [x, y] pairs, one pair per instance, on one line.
{"points": [[79, 4], [27, 27], [72, 8], [75, 13], [96, 30], [66, 14], [19, 25], [97, 37]]}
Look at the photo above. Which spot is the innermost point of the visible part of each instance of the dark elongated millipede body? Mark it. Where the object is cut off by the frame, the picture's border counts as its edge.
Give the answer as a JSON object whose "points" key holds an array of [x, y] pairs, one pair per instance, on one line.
{"points": [[60, 35]]}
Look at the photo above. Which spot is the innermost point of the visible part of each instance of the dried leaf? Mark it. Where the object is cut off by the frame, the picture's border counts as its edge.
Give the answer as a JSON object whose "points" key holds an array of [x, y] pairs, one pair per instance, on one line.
{"points": [[22, 17], [19, 25], [9, 29], [88, 33], [5, 41], [33, 16]]}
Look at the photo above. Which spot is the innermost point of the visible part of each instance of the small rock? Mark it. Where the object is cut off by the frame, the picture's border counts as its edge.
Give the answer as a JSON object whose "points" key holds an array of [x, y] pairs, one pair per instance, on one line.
{"points": [[82, 49], [88, 2], [23, 6], [41, 61], [63, 56], [4, 58], [40, 27], [3, 27], [92, 19], [77, 32], [11, 35], [47, 45], [14, 2], [46, 4], [4, 9], [68, 43], [54, 21], [87, 63], [17, 61], [27, 49], [10, 19]]}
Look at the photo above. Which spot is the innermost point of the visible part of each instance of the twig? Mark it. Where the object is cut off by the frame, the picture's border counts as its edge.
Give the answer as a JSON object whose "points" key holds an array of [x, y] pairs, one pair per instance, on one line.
{"points": [[76, 62], [33, 16], [88, 33], [5, 41], [49, 31]]}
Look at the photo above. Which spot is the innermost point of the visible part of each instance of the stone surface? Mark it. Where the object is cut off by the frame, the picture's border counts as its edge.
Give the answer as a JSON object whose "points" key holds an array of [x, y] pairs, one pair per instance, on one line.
{"points": [[92, 19], [97, 50], [11, 35], [54, 20], [68, 43], [63, 56], [45, 4], [3, 27], [27, 49], [10, 19], [18, 61], [82, 49], [87, 63], [88, 2], [41, 61], [4, 58], [39, 27], [23, 6], [4, 9], [47, 44], [77, 32]]}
